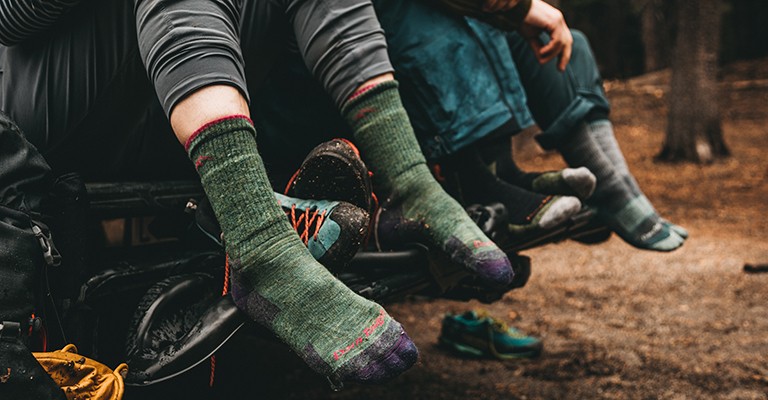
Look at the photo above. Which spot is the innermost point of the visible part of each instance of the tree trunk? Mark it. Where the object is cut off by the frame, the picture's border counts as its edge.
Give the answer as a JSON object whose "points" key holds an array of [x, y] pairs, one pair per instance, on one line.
{"points": [[694, 131], [657, 32]]}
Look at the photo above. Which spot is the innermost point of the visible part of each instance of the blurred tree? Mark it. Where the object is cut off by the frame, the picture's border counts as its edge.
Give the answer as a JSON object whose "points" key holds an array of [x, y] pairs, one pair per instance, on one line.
{"points": [[748, 29], [631, 37], [694, 131], [657, 31], [613, 29]]}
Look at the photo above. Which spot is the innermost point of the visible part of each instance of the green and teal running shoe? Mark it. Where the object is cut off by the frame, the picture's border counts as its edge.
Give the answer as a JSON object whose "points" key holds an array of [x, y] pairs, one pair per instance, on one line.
{"points": [[477, 334]]}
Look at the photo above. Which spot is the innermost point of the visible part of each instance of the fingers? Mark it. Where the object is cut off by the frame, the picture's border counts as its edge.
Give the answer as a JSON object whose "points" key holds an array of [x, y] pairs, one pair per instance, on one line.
{"points": [[560, 46], [542, 17], [536, 46], [565, 56], [549, 51]]}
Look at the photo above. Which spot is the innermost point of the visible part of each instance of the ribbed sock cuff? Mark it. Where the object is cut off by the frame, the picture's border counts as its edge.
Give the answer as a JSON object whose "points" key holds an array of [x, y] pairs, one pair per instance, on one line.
{"points": [[365, 93], [383, 131], [217, 128]]}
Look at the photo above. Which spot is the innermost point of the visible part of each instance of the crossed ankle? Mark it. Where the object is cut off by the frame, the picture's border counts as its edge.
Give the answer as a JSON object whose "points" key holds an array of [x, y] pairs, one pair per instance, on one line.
{"points": [[443, 225], [342, 335]]}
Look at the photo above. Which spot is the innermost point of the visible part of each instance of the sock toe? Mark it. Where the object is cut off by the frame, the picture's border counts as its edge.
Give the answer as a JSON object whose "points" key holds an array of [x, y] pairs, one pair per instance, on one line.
{"points": [[487, 261], [559, 210], [401, 356], [682, 232], [651, 234], [581, 180], [669, 243], [494, 267]]}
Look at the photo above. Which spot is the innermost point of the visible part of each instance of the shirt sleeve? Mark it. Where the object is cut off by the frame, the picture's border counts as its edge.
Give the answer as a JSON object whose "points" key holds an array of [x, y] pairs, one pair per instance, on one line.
{"points": [[21, 19], [341, 42]]}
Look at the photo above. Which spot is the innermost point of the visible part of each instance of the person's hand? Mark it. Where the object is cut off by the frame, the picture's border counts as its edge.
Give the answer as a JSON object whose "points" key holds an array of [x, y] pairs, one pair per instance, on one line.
{"points": [[544, 18], [499, 5]]}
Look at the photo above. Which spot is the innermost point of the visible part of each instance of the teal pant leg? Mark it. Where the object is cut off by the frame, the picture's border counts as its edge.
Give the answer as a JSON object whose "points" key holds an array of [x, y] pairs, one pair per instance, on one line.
{"points": [[457, 78], [560, 101]]}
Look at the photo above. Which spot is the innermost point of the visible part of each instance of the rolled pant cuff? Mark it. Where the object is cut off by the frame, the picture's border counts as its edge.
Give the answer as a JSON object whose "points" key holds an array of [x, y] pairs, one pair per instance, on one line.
{"points": [[564, 126]]}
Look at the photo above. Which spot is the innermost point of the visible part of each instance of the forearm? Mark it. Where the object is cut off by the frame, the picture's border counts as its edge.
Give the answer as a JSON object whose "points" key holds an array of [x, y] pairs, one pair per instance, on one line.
{"points": [[21, 19]]}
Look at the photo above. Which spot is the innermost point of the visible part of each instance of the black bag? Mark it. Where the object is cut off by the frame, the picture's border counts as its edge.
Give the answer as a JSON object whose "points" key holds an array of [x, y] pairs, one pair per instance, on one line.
{"points": [[26, 251], [26, 248]]}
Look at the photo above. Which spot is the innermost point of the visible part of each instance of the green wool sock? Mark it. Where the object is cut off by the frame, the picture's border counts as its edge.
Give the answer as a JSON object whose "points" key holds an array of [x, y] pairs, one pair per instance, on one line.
{"points": [[275, 279], [386, 139]]}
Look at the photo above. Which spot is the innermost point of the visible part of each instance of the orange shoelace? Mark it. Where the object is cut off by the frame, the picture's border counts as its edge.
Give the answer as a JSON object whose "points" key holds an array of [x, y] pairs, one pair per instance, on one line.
{"points": [[307, 223]]}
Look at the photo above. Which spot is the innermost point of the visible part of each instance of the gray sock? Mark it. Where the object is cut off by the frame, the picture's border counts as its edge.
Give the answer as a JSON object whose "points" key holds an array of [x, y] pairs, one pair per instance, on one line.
{"points": [[602, 131], [619, 206]]}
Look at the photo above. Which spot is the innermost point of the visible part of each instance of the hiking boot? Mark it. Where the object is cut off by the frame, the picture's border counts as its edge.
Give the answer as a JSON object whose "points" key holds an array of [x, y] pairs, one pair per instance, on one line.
{"points": [[332, 230], [333, 171], [476, 334]]}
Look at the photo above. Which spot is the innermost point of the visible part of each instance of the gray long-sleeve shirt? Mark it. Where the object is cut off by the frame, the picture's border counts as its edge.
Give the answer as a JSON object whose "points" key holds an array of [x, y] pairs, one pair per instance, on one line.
{"points": [[20, 19]]}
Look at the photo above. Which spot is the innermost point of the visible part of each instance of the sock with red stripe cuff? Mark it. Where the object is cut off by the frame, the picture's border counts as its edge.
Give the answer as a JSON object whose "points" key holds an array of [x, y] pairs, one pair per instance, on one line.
{"points": [[276, 281], [412, 198]]}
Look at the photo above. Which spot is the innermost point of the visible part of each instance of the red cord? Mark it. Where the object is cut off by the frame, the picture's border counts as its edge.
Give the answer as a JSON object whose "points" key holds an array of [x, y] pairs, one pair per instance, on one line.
{"points": [[224, 292]]}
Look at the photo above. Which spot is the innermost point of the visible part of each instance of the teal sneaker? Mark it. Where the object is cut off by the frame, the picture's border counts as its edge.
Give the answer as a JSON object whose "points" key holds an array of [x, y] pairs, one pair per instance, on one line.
{"points": [[477, 334]]}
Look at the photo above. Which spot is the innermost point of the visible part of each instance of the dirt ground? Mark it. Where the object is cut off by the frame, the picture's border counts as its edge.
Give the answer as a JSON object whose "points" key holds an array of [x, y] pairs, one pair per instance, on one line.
{"points": [[617, 322]]}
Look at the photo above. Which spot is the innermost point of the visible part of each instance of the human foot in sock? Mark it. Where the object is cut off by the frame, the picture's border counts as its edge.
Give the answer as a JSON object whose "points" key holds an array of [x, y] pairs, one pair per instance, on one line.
{"points": [[275, 280], [569, 181], [579, 182], [528, 211], [602, 131], [682, 232], [618, 205], [385, 137]]}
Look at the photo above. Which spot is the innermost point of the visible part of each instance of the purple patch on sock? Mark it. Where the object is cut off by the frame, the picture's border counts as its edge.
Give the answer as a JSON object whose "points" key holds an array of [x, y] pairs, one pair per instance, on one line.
{"points": [[492, 266], [387, 357], [313, 359], [256, 306], [393, 229], [403, 355]]}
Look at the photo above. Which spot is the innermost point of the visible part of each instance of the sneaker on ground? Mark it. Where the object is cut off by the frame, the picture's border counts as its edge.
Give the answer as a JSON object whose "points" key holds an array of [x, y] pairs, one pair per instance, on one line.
{"points": [[476, 334]]}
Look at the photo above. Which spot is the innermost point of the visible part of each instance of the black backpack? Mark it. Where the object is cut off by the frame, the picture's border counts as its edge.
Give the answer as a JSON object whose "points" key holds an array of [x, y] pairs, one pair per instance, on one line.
{"points": [[26, 253]]}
